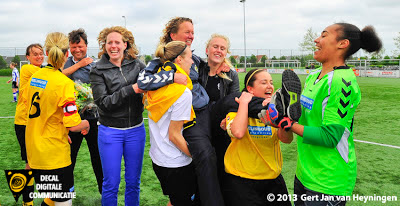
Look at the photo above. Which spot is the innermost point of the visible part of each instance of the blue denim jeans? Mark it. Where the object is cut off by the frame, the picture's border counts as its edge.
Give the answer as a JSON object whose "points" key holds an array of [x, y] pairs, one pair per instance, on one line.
{"points": [[113, 144]]}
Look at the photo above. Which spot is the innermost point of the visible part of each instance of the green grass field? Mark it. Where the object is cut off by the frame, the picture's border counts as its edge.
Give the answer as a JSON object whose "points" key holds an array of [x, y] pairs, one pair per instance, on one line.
{"points": [[376, 120]]}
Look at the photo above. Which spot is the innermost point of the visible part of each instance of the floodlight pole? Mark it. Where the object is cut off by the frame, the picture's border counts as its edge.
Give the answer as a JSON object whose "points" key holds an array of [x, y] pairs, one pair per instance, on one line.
{"points": [[244, 32], [125, 20]]}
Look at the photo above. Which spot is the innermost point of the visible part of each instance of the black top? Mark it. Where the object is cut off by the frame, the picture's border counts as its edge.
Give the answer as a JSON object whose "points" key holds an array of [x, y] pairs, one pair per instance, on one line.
{"points": [[213, 88]]}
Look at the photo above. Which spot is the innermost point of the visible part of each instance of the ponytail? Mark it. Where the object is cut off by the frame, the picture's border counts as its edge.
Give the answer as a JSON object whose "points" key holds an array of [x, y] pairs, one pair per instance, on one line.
{"points": [[170, 51], [223, 74], [56, 45], [366, 39], [370, 40]]}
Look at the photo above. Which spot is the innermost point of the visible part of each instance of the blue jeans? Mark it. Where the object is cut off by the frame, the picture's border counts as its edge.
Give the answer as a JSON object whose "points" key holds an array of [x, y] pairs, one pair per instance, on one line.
{"points": [[113, 143]]}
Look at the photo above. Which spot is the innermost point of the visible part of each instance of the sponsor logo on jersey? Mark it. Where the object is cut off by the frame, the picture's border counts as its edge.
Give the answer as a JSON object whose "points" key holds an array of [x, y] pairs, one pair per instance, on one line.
{"points": [[306, 102], [40, 83], [259, 131]]}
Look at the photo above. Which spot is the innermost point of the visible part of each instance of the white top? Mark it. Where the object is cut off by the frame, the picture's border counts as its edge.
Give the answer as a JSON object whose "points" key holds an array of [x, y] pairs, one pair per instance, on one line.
{"points": [[163, 152], [15, 74]]}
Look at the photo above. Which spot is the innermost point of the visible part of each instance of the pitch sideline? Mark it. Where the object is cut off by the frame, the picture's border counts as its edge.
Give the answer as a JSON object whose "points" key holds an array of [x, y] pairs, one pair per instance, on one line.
{"points": [[356, 140]]}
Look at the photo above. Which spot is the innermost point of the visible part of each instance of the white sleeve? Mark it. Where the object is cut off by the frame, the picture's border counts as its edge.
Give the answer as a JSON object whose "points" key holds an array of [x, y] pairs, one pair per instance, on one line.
{"points": [[181, 109]]}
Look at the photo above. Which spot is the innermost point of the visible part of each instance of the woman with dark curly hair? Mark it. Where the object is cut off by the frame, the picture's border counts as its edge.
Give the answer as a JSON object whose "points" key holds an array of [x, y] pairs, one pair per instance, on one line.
{"points": [[121, 129]]}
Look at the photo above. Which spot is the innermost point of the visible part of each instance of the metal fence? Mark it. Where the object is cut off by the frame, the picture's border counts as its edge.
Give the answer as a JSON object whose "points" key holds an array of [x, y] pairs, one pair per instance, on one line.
{"points": [[13, 51]]}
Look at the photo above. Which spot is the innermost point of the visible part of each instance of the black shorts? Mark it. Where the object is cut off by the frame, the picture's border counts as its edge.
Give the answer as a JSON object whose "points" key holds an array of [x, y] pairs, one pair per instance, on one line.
{"points": [[14, 85], [58, 181], [241, 191], [178, 183], [20, 132]]}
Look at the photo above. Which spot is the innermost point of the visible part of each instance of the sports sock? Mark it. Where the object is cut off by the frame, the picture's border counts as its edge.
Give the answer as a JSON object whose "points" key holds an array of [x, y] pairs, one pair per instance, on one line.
{"points": [[15, 96]]}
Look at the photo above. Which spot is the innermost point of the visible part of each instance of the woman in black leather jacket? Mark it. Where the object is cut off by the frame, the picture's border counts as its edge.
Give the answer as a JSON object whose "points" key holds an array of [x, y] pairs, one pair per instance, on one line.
{"points": [[218, 86], [121, 129]]}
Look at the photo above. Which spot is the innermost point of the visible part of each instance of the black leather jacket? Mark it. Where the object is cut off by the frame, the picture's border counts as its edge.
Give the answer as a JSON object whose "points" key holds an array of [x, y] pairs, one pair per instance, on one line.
{"points": [[227, 86], [119, 105]]}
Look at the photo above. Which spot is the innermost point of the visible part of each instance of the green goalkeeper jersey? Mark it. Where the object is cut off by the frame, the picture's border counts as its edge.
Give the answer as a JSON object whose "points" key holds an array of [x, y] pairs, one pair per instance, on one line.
{"points": [[326, 157]]}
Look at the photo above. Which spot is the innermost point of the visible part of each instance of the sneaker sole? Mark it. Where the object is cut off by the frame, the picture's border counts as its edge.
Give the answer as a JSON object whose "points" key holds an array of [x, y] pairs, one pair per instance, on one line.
{"points": [[279, 104], [292, 84]]}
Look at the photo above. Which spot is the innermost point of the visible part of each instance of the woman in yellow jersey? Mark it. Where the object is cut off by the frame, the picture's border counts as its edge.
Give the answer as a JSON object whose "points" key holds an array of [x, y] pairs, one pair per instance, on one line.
{"points": [[35, 56], [253, 160], [34, 53], [170, 111], [52, 112]]}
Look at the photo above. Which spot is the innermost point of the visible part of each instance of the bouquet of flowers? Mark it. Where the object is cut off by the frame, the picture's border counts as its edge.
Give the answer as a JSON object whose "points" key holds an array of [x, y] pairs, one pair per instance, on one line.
{"points": [[84, 98]]}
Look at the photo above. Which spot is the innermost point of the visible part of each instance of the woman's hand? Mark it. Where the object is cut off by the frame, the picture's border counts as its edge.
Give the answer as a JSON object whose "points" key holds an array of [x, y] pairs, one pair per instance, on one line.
{"points": [[85, 61], [137, 89], [180, 78], [239, 124], [266, 101], [223, 68], [245, 98], [223, 124]]}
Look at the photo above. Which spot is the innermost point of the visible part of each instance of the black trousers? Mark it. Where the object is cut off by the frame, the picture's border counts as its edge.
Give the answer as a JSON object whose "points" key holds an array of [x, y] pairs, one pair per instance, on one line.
{"points": [[91, 140], [314, 198], [204, 159], [241, 191], [20, 133]]}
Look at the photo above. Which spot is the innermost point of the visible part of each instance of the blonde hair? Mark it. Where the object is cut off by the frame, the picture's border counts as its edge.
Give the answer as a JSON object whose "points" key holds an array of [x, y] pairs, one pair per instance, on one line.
{"points": [[130, 52], [228, 43], [170, 51], [56, 45], [226, 60], [172, 27], [13, 64]]}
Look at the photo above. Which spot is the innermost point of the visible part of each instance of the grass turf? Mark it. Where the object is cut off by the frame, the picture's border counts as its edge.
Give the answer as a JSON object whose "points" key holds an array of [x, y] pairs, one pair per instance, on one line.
{"points": [[376, 120]]}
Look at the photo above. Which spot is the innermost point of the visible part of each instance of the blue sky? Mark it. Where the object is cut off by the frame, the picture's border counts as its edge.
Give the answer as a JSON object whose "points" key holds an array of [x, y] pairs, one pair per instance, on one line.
{"points": [[277, 26]]}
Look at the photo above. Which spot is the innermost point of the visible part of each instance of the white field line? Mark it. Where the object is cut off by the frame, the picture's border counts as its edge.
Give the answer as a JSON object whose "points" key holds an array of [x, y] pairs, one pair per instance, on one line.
{"points": [[9, 117], [384, 145], [356, 140]]}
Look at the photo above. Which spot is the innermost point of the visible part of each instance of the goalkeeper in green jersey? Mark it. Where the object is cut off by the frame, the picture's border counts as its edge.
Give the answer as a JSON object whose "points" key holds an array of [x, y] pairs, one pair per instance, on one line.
{"points": [[326, 163]]}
